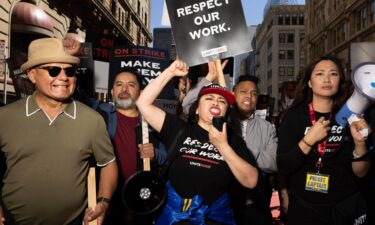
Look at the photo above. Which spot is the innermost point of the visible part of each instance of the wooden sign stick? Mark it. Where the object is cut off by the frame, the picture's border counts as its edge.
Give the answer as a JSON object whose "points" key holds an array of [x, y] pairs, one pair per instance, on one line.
{"points": [[145, 140], [91, 191]]}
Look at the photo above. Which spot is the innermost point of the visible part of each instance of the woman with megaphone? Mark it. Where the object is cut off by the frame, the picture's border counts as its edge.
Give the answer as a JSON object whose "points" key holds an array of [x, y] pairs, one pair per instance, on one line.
{"points": [[322, 160]]}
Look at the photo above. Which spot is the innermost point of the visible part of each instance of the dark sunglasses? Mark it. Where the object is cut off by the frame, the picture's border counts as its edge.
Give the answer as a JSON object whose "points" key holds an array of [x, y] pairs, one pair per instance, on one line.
{"points": [[54, 71]]}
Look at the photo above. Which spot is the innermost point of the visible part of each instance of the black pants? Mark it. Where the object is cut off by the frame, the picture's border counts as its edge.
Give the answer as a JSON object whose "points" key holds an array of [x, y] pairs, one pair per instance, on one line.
{"points": [[351, 210], [252, 215]]}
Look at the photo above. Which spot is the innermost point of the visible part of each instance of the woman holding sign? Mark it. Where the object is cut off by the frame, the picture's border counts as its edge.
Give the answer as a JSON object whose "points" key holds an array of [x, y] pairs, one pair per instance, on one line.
{"points": [[322, 160], [205, 160]]}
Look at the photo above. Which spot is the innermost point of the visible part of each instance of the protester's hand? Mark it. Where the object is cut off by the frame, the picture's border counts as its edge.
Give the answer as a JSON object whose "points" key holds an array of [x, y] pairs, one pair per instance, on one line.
{"points": [[318, 131], [146, 150], [212, 71], [184, 86], [2, 218], [217, 138], [355, 129], [178, 68], [98, 214], [71, 46]]}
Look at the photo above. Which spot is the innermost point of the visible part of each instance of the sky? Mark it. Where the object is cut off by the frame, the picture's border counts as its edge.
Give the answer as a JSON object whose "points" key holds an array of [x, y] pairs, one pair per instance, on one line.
{"points": [[253, 10]]}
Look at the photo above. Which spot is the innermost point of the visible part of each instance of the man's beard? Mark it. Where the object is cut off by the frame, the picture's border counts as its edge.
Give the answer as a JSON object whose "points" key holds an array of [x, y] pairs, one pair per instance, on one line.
{"points": [[125, 103], [243, 114]]}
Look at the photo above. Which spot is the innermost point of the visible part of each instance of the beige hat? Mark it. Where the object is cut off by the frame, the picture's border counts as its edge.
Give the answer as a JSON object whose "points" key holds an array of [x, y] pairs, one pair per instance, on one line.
{"points": [[47, 50]]}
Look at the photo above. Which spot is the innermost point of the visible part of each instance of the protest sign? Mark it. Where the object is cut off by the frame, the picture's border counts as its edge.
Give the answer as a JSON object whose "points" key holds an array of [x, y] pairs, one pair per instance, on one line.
{"points": [[101, 50], [207, 30], [149, 62], [85, 73], [21, 82]]}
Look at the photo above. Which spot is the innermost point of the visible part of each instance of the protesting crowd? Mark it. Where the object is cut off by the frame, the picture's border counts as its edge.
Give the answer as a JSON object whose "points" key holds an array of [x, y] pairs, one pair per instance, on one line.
{"points": [[219, 161]]}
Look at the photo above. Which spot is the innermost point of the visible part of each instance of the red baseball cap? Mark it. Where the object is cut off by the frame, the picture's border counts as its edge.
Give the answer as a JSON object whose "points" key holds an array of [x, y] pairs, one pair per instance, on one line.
{"points": [[217, 89]]}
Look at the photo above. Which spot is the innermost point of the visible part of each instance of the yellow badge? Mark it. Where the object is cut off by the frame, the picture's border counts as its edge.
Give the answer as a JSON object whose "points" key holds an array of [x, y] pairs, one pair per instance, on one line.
{"points": [[317, 182]]}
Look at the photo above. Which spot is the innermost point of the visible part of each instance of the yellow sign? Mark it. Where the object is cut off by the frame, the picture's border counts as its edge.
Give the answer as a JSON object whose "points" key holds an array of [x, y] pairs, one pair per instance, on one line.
{"points": [[317, 182]]}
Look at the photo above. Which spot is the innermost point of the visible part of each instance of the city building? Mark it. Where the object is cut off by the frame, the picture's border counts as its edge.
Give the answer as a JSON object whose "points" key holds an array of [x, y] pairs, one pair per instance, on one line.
{"points": [[163, 39], [251, 58], [240, 62], [23, 21], [331, 26], [279, 54]]}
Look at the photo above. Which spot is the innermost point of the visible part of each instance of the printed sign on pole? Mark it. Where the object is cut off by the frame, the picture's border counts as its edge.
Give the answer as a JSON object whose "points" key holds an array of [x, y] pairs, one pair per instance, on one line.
{"points": [[149, 62], [205, 30]]}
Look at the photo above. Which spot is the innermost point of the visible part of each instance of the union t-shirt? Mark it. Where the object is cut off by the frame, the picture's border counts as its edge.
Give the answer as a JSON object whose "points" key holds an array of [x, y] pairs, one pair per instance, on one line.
{"points": [[199, 168]]}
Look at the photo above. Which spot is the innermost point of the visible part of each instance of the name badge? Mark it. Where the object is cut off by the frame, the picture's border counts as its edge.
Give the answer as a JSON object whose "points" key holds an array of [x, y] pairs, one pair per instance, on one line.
{"points": [[317, 182]]}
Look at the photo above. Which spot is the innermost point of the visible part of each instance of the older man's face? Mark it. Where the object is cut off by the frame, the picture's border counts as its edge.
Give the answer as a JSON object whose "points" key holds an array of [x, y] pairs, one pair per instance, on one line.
{"points": [[125, 90], [58, 88]]}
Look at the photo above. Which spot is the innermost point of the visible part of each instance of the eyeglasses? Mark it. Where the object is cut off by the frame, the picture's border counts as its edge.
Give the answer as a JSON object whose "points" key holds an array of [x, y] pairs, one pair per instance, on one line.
{"points": [[54, 71]]}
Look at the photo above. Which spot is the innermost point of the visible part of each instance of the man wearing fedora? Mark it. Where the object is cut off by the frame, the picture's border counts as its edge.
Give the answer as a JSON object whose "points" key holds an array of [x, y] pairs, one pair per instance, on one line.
{"points": [[47, 140]]}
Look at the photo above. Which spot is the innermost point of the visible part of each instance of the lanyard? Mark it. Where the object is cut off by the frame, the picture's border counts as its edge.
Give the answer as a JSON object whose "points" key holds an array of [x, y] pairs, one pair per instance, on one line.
{"points": [[323, 144]]}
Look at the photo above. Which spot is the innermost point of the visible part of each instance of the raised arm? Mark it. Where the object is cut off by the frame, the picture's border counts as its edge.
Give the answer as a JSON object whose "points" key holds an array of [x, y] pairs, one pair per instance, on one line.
{"points": [[154, 115], [192, 95]]}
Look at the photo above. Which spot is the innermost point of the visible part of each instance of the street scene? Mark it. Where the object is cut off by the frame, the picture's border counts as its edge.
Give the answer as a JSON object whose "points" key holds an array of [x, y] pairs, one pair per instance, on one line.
{"points": [[144, 112]]}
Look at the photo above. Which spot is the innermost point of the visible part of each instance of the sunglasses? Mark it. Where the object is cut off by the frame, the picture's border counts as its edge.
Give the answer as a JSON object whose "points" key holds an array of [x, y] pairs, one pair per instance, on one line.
{"points": [[54, 71]]}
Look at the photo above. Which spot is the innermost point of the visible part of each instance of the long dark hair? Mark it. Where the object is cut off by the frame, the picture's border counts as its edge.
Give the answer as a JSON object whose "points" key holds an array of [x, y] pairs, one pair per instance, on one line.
{"points": [[304, 92]]}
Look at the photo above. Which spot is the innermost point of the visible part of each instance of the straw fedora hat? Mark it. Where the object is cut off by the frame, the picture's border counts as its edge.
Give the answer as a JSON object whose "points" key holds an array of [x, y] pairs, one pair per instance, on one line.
{"points": [[47, 50]]}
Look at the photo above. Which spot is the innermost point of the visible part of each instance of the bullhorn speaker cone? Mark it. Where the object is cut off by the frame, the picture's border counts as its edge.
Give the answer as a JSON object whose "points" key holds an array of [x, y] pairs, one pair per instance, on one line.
{"points": [[144, 192]]}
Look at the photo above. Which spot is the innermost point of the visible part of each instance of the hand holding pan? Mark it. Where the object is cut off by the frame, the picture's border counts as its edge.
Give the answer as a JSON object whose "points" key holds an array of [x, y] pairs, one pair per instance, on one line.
{"points": [[145, 191]]}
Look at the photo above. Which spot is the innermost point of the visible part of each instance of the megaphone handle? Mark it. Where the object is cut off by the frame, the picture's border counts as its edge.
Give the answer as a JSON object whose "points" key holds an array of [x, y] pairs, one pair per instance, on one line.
{"points": [[220, 75], [145, 140]]}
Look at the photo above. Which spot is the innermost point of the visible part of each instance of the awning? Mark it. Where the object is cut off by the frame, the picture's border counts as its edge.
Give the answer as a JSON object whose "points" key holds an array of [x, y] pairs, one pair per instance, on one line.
{"points": [[28, 18]]}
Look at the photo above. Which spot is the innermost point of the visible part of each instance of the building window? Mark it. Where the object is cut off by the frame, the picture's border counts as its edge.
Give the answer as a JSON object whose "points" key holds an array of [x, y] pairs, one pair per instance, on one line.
{"points": [[269, 74], [361, 19], [269, 44], [281, 71], [282, 54], [269, 89], [113, 7], [341, 33], [290, 71], [270, 58], [282, 38], [301, 20], [286, 38], [290, 54], [280, 20], [287, 20], [290, 38], [294, 20]]}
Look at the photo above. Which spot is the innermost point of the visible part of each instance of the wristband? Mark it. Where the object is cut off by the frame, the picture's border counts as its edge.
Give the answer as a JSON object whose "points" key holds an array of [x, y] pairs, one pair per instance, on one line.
{"points": [[305, 142], [102, 199]]}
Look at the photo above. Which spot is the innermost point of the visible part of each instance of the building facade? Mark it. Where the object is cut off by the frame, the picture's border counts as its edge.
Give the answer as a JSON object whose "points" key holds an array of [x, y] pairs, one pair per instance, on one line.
{"points": [[333, 25], [163, 39], [279, 53], [24, 21]]}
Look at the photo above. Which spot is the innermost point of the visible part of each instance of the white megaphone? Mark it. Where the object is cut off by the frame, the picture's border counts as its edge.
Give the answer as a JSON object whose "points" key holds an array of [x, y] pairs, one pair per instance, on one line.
{"points": [[363, 96]]}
